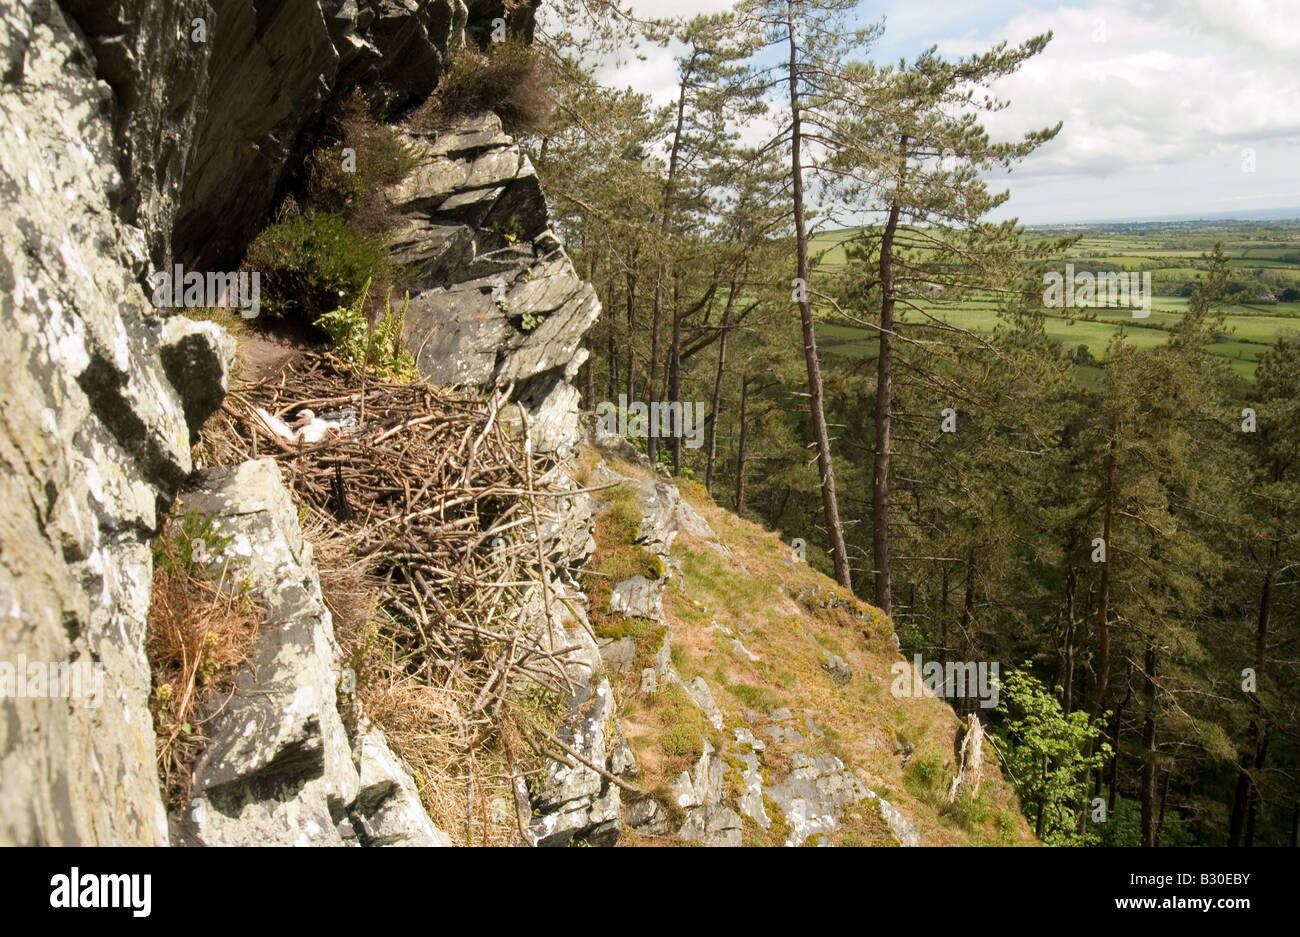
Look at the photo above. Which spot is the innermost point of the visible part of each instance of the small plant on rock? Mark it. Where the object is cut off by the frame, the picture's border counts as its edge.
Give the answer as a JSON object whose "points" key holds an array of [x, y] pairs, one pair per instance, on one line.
{"points": [[379, 346]]}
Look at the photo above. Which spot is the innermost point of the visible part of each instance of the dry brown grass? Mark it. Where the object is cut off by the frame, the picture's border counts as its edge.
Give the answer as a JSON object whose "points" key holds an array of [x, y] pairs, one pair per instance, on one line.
{"points": [[198, 634], [511, 79], [382, 159]]}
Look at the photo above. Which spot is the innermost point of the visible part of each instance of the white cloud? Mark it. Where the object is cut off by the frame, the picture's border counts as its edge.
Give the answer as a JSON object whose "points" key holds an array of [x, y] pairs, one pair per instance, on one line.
{"points": [[1166, 84], [1160, 98]]}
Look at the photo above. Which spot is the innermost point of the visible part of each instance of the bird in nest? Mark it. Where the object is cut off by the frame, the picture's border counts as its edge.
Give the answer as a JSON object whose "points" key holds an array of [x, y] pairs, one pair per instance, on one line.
{"points": [[308, 427]]}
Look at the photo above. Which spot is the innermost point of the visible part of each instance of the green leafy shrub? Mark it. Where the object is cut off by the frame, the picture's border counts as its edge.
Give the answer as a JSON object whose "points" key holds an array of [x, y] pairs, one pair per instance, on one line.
{"points": [[1044, 754], [313, 262]]}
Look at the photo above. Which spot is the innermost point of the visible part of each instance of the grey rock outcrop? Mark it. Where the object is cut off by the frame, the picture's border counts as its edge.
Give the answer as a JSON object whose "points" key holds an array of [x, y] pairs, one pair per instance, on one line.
{"points": [[904, 831], [496, 302], [638, 597], [714, 825], [279, 768], [702, 697], [751, 803], [702, 785], [665, 514], [813, 795], [573, 801], [128, 138], [647, 816], [837, 667], [387, 810], [617, 653]]}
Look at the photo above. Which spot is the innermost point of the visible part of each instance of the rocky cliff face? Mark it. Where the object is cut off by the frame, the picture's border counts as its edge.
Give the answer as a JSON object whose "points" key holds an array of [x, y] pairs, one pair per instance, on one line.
{"points": [[496, 301], [133, 132], [95, 441], [210, 100]]}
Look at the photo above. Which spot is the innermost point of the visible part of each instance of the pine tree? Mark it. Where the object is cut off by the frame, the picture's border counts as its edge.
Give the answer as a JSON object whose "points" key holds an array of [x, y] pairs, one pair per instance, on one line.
{"points": [[915, 148], [818, 43]]}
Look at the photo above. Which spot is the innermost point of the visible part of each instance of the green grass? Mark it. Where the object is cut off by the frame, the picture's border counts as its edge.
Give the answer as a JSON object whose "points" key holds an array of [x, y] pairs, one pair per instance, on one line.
{"points": [[1265, 255], [759, 698], [682, 740]]}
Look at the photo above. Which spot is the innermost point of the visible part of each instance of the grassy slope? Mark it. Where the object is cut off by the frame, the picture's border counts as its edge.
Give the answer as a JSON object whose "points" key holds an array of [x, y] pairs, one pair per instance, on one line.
{"points": [[747, 591]]}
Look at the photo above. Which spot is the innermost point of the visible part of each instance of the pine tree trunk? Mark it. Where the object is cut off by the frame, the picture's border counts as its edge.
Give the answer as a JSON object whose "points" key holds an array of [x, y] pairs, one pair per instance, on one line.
{"points": [[1147, 783], [966, 704], [830, 502], [675, 384], [943, 615], [1103, 602], [665, 227], [1164, 799], [1247, 765], [884, 415], [717, 390], [1112, 791], [631, 332], [1253, 799], [613, 364], [1067, 649], [740, 446]]}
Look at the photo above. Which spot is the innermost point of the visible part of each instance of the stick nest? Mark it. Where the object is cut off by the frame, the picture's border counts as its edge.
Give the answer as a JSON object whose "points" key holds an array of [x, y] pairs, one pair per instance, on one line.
{"points": [[431, 560]]}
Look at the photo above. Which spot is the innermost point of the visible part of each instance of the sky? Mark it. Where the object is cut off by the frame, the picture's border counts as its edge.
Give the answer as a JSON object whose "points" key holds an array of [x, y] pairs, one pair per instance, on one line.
{"points": [[1170, 107]]}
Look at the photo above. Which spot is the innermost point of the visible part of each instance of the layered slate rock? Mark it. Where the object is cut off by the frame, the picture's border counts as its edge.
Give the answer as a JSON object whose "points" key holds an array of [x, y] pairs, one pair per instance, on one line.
{"points": [[126, 142], [496, 302], [278, 767], [387, 810], [94, 441]]}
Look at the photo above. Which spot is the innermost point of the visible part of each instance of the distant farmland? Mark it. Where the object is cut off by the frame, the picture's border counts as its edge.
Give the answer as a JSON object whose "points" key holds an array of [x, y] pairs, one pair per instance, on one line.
{"points": [[1265, 257]]}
